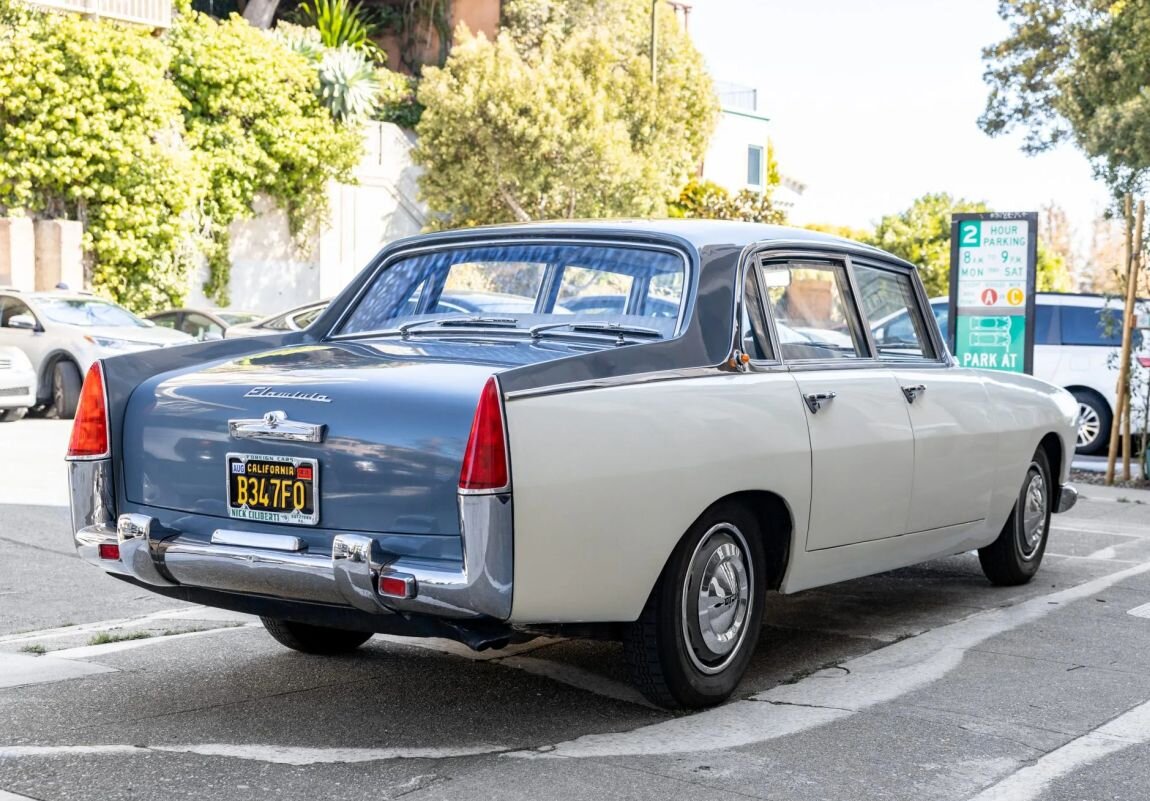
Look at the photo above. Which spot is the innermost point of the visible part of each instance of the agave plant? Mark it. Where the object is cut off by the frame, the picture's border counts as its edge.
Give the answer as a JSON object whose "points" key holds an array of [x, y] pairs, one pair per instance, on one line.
{"points": [[343, 22], [348, 85], [304, 41]]}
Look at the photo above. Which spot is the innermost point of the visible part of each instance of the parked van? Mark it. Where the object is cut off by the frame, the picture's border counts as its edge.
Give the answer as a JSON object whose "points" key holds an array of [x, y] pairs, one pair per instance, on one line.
{"points": [[1077, 341]]}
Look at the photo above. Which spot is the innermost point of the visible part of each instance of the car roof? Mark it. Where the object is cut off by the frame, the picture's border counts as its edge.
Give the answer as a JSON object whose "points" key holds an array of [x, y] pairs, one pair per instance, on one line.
{"points": [[699, 233]]}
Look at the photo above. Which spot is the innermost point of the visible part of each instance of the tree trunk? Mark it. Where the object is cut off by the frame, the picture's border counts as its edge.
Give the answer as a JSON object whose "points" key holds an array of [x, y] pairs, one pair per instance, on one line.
{"points": [[1128, 333], [1122, 387], [513, 205], [261, 13]]}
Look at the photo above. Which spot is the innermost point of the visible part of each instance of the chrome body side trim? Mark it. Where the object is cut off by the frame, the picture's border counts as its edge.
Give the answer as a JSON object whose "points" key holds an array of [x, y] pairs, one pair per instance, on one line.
{"points": [[254, 539], [277, 426], [1067, 497]]}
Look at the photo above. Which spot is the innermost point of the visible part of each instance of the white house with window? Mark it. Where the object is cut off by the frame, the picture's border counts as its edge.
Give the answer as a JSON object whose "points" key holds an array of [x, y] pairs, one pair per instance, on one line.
{"points": [[736, 158]]}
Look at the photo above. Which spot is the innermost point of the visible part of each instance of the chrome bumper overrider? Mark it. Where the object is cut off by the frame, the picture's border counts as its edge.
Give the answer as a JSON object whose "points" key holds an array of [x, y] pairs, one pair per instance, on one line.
{"points": [[479, 586], [1067, 497]]}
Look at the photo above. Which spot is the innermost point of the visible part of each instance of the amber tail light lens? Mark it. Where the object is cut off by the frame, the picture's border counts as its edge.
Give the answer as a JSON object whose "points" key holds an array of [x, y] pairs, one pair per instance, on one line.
{"points": [[90, 427], [485, 459]]}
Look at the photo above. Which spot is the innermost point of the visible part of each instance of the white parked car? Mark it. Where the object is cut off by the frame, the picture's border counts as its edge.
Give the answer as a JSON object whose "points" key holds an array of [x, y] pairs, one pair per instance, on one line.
{"points": [[1077, 342], [624, 473], [62, 333], [17, 384]]}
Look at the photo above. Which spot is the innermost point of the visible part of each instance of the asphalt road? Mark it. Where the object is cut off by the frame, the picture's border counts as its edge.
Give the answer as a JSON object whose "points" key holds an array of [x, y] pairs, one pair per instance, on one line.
{"points": [[923, 683]]}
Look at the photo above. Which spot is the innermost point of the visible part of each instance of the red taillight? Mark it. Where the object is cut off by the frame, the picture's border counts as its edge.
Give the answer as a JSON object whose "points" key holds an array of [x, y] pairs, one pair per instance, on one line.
{"points": [[399, 585], [485, 460], [109, 551], [90, 428]]}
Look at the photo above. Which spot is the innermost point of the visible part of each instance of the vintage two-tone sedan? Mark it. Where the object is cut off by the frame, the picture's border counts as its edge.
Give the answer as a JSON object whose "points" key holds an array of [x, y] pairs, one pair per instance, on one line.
{"points": [[722, 420]]}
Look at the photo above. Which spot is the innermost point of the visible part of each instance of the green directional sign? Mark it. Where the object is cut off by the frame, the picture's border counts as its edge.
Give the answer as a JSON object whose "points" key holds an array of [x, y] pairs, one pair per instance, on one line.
{"points": [[992, 276]]}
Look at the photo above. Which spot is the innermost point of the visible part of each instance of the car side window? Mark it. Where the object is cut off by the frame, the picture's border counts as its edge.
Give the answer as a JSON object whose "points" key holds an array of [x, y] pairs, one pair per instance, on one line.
{"points": [[11, 307], [813, 317], [201, 327], [164, 320], [756, 342], [1046, 325], [1087, 325], [889, 304]]}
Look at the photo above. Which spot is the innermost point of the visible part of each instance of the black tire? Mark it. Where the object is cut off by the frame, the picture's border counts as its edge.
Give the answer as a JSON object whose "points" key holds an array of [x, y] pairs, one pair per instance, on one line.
{"points": [[12, 415], [668, 656], [1016, 555], [66, 383], [314, 639], [1093, 412]]}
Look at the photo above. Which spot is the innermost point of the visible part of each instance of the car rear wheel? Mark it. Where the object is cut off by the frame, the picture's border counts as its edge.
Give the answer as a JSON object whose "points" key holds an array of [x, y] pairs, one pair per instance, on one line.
{"points": [[698, 630], [1016, 555], [314, 639], [11, 415], [1094, 420], [66, 385]]}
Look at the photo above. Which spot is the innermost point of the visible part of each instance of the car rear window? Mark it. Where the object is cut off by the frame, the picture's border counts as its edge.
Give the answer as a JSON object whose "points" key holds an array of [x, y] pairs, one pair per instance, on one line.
{"points": [[1083, 325], [533, 283]]}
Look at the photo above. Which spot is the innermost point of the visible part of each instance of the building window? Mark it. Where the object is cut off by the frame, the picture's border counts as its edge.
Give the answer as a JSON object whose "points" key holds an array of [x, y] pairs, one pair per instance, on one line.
{"points": [[754, 165]]}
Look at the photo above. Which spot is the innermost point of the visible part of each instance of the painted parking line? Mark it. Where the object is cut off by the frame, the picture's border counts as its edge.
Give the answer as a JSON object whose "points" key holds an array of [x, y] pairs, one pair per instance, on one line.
{"points": [[1140, 611], [274, 754], [1131, 728], [7, 796], [179, 613], [830, 695], [22, 670]]}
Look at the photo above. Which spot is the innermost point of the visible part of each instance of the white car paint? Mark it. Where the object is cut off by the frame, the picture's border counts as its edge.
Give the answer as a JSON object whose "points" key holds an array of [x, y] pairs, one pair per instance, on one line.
{"points": [[594, 527], [17, 380]]}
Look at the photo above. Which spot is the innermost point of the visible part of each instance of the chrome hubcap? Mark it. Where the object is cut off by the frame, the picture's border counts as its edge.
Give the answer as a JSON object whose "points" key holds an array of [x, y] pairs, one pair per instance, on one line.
{"points": [[1089, 425], [1033, 515], [717, 595]]}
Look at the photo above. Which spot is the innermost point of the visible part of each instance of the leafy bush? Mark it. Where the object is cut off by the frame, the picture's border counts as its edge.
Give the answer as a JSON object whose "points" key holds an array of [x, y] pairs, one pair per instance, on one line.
{"points": [[158, 145], [397, 99], [90, 130], [342, 23], [707, 200]]}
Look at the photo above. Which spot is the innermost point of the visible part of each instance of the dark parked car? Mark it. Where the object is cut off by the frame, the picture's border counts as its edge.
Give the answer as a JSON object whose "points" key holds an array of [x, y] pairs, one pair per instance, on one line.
{"points": [[202, 323]]}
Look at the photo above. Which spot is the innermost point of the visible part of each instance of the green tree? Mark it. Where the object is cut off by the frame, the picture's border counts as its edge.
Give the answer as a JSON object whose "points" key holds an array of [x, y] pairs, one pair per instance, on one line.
{"points": [[921, 235], [90, 130], [1075, 70], [559, 117], [708, 201]]}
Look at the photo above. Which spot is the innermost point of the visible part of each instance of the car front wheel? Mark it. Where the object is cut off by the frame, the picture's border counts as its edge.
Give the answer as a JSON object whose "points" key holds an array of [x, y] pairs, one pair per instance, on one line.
{"points": [[698, 630], [66, 385], [1094, 421], [1016, 555], [314, 639]]}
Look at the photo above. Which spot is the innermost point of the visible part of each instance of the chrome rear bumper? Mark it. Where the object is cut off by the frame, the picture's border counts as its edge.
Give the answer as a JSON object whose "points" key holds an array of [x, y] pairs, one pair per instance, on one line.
{"points": [[277, 566]]}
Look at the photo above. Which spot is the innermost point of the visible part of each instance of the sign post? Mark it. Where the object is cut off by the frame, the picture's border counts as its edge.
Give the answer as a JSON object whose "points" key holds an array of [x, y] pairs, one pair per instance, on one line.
{"points": [[993, 261]]}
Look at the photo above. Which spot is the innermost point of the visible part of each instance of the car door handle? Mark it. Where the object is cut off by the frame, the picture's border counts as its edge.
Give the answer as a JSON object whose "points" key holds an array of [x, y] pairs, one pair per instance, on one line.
{"points": [[913, 392], [815, 400]]}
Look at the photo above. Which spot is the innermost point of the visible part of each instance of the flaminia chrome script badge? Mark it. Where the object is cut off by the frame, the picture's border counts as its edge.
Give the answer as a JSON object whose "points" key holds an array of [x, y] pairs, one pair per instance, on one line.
{"points": [[269, 392]]}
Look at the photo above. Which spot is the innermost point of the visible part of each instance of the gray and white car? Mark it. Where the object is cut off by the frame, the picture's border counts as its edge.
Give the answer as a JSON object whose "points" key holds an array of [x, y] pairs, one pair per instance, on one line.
{"points": [[62, 333]]}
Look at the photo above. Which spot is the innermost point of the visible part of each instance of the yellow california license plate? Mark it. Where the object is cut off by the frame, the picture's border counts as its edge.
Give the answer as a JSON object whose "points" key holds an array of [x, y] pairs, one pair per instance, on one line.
{"points": [[273, 489]]}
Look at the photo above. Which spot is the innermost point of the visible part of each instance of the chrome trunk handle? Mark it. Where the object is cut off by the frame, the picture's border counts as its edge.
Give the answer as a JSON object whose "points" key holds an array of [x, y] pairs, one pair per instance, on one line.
{"points": [[913, 392], [815, 400], [276, 426]]}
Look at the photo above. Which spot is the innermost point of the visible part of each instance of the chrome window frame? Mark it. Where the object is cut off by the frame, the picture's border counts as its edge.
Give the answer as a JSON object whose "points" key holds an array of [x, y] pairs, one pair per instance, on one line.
{"points": [[931, 331], [753, 258], [690, 277]]}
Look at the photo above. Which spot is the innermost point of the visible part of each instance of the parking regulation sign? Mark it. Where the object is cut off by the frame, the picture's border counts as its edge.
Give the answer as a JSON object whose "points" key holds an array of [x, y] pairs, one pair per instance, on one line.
{"points": [[993, 260]]}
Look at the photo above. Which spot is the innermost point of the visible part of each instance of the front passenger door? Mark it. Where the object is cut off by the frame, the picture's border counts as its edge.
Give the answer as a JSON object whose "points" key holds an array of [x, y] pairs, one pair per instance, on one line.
{"points": [[862, 446]]}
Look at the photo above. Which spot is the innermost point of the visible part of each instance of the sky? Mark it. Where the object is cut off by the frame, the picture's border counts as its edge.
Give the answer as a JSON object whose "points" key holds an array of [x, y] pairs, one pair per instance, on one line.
{"points": [[875, 102]]}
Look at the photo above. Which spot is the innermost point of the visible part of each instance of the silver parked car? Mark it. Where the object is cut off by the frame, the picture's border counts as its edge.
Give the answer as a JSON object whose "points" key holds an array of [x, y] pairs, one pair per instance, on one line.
{"points": [[17, 384], [295, 319], [62, 333]]}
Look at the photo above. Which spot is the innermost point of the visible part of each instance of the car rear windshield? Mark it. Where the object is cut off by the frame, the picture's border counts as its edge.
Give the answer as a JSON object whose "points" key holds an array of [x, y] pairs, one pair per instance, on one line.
{"points": [[529, 283], [82, 311]]}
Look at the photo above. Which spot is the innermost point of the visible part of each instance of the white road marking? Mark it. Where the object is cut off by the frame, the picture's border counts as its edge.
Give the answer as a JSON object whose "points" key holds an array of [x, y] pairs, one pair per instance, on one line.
{"points": [[179, 613], [103, 649], [1103, 553], [829, 695], [275, 754], [1094, 559], [21, 670], [7, 796], [1131, 728], [1140, 611]]}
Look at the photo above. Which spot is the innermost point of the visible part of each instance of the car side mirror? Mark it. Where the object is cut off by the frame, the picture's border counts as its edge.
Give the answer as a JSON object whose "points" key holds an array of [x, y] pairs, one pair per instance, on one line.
{"points": [[24, 321]]}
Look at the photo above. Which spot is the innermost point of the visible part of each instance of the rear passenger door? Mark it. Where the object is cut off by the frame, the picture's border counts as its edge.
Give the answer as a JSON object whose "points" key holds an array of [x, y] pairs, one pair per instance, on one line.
{"points": [[949, 408], [862, 446]]}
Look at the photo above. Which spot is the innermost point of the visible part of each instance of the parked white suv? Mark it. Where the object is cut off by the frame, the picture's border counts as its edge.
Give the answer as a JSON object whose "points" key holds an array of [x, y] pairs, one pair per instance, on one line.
{"points": [[1077, 340], [62, 333]]}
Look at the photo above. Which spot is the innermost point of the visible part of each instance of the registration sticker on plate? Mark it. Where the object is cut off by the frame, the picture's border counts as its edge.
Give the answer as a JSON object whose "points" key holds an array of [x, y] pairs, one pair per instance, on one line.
{"points": [[273, 489]]}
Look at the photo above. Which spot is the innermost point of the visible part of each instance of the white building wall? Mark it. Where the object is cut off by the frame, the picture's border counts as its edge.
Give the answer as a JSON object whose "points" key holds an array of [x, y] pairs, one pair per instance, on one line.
{"points": [[725, 162], [270, 274]]}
